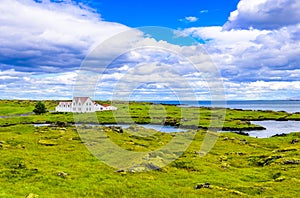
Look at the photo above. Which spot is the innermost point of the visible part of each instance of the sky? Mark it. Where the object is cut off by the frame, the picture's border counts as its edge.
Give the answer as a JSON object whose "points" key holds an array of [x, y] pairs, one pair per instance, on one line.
{"points": [[243, 49]]}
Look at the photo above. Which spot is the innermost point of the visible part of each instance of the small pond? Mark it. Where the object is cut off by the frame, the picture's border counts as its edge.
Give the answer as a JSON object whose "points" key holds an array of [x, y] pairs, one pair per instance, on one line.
{"points": [[274, 127], [161, 128], [41, 125]]}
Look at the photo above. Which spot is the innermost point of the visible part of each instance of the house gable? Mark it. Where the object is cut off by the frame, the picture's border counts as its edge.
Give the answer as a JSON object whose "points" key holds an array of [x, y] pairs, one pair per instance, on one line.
{"points": [[82, 105]]}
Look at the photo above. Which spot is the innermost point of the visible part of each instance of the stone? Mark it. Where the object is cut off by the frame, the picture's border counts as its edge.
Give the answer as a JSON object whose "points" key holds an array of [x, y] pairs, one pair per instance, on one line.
{"points": [[47, 142], [31, 195], [242, 133], [294, 141], [287, 162], [280, 135], [62, 174], [116, 129], [205, 185], [153, 167]]}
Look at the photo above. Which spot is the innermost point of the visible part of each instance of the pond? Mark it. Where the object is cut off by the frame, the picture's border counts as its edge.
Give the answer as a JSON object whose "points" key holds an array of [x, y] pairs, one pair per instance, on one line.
{"points": [[161, 128], [274, 127]]}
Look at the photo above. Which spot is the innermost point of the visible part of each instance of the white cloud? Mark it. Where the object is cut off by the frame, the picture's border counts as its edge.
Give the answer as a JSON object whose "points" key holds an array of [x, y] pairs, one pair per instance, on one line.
{"points": [[42, 44], [45, 30], [263, 90], [264, 14], [249, 55], [52, 39], [191, 19], [203, 11]]}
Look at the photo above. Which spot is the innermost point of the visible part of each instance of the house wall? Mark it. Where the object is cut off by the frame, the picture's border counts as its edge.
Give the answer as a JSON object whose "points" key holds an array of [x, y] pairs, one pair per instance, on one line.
{"points": [[82, 106]]}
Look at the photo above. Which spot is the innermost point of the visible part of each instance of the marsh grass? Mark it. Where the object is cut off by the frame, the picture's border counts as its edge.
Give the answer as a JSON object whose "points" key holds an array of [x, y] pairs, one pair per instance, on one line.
{"points": [[54, 162]]}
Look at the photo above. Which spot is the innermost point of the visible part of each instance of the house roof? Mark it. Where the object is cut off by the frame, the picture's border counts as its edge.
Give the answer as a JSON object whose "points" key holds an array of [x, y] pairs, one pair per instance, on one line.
{"points": [[65, 103], [82, 99]]}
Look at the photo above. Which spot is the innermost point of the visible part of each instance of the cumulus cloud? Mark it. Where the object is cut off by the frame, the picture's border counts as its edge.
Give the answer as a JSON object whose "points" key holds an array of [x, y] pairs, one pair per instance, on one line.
{"points": [[257, 50], [49, 36], [152, 62], [249, 55], [264, 14], [40, 38], [263, 90], [42, 45]]}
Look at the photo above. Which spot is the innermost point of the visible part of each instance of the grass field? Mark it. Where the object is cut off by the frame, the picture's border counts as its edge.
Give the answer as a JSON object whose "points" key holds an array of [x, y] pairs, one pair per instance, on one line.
{"points": [[54, 161]]}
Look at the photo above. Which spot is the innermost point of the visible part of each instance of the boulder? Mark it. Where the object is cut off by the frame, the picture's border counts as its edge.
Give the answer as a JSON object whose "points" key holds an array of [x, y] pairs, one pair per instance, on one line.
{"points": [[287, 162], [205, 185], [31, 195], [62, 174], [294, 141], [47, 142]]}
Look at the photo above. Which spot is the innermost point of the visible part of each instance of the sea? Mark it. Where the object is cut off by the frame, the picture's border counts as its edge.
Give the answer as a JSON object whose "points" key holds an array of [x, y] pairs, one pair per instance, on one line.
{"points": [[290, 106]]}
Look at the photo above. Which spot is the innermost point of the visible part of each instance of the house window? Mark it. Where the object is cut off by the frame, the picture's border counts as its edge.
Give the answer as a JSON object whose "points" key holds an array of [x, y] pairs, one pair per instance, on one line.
{"points": [[74, 104], [79, 104]]}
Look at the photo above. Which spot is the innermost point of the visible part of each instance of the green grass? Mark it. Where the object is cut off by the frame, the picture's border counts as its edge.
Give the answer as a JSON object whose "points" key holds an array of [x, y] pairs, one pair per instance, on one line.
{"points": [[236, 166], [54, 161]]}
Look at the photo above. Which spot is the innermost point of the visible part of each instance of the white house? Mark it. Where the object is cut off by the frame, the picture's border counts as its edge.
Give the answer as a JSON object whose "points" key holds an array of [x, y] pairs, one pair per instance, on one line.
{"points": [[82, 105]]}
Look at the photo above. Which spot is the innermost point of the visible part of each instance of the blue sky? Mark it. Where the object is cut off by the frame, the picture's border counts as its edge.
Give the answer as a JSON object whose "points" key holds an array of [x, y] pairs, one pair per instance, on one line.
{"points": [[166, 13], [253, 46]]}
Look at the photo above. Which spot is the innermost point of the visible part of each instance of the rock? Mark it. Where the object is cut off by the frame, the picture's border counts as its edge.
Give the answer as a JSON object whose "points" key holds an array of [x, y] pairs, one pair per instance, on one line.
{"points": [[116, 129], [205, 185], [47, 142], [280, 179], [153, 167], [294, 141], [62, 174], [243, 141], [287, 162], [225, 138], [280, 135], [31, 195], [60, 124], [242, 133]]}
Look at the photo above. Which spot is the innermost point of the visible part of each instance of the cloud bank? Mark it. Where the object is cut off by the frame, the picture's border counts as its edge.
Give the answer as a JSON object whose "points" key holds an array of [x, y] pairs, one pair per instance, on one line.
{"points": [[258, 45], [40, 38], [264, 14], [43, 43]]}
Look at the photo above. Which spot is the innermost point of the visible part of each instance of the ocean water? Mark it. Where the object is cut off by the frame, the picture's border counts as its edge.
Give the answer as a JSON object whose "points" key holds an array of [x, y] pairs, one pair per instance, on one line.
{"points": [[274, 127], [290, 106]]}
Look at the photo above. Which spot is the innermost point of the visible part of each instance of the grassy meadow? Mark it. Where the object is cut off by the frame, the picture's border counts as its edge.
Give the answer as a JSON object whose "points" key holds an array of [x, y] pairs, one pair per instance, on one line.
{"points": [[53, 161]]}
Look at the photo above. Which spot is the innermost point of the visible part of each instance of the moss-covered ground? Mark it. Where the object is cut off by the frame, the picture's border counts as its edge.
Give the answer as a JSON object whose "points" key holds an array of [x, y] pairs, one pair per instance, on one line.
{"points": [[53, 161]]}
